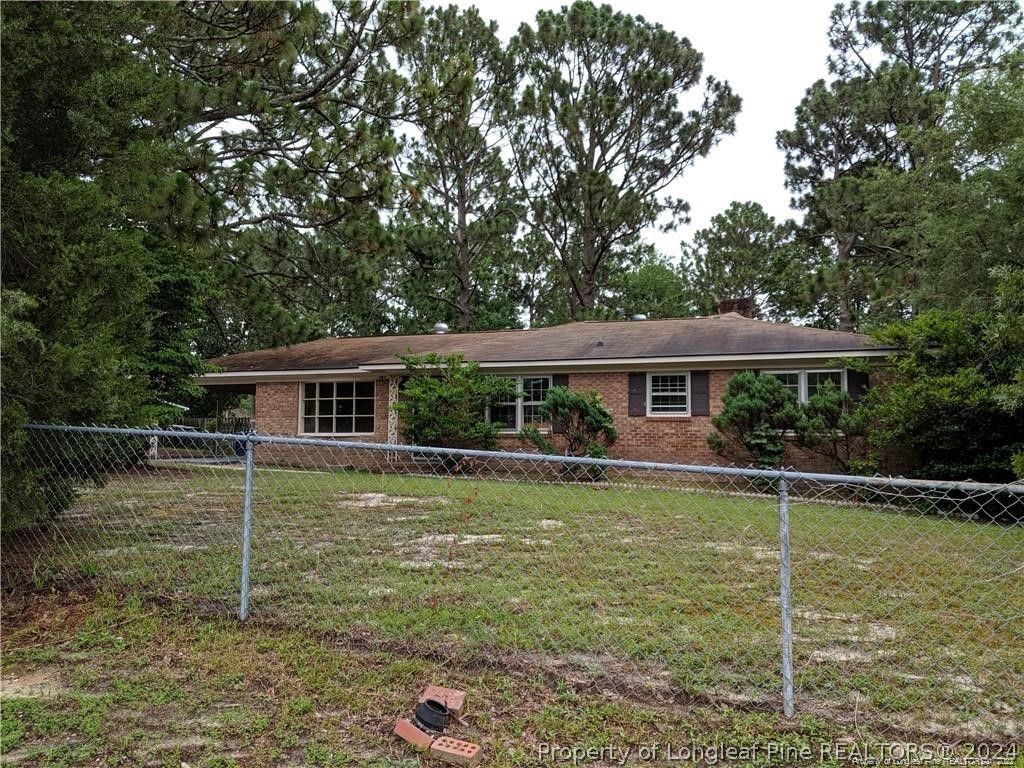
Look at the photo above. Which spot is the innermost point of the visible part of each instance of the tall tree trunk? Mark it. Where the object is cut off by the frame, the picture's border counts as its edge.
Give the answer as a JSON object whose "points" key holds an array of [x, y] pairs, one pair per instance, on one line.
{"points": [[464, 299], [465, 296], [463, 260], [588, 273], [844, 248], [588, 276]]}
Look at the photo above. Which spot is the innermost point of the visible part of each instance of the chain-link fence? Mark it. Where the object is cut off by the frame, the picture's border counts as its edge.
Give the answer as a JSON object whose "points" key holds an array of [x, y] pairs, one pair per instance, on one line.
{"points": [[887, 599]]}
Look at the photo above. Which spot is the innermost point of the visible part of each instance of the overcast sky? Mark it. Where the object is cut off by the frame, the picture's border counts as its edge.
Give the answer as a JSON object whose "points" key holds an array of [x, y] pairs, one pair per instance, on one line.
{"points": [[769, 52]]}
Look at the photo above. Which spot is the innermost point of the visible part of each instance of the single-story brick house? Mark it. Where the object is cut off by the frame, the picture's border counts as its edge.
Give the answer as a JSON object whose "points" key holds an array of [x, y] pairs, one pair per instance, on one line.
{"points": [[661, 379]]}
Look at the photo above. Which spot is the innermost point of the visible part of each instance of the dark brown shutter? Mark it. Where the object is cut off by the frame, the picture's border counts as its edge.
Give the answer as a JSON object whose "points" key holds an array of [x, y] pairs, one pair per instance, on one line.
{"points": [[638, 394], [856, 383], [700, 394], [559, 380]]}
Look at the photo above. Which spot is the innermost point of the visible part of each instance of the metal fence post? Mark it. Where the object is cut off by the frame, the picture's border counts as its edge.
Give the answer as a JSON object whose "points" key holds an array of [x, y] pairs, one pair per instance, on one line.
{"points": [[785, 601], [243, 609]]}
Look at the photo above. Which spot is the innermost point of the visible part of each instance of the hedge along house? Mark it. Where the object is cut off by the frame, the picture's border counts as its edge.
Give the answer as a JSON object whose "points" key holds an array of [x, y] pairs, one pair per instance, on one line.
{"points": [[661, 379]]}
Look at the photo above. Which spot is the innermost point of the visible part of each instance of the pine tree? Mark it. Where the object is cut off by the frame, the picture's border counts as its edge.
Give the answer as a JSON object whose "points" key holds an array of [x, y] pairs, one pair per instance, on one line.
{"points": [[896, 66], [599, 132], [459, 213], [285, 114], [746, 254]]}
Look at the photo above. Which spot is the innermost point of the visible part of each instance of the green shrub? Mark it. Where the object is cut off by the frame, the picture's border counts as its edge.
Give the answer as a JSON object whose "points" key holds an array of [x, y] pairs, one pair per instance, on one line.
{"points": [[444, 402], [40, 382], [832, 425], [951, 397], [756, 413], [24, 492], [42, 469], [583, 420]]}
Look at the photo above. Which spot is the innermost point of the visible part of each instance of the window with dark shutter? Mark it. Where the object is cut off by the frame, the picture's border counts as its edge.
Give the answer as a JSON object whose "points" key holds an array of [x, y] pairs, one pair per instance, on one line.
{"points": [[669, 393], [638, 394]]}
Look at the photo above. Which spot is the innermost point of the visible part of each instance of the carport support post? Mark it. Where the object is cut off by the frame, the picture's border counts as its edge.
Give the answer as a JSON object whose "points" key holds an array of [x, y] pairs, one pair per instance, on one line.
{"points": [[785, 601], [243, 608]]}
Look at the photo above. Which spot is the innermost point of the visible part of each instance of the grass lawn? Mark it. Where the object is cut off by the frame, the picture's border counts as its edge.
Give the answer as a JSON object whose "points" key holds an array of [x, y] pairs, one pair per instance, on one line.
{"points": [[576, 615]]}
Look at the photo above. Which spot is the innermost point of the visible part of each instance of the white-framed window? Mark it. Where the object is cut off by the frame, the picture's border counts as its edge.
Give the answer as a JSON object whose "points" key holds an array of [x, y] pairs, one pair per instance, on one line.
{"points": [[817, 380], [523, 410], [337, 407], [790, 380], [668, 394], [806, 384]]}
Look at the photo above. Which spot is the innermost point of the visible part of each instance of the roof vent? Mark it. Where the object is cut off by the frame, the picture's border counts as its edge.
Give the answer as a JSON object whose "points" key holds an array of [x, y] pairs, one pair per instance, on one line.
{"points": [[440, 328], [638, 316]]}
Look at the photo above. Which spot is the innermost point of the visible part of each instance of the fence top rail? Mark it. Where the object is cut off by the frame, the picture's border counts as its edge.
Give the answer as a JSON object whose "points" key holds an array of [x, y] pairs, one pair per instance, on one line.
{"points": [[878, 481]]}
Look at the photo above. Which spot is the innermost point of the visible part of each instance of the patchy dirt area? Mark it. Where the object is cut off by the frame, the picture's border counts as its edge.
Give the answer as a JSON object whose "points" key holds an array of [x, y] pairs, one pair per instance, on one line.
{"points": [[860, 563], [843, 654], [371, 500], [450, 550], [44, 682], [850, 627], [732, 547], [844, 638]]}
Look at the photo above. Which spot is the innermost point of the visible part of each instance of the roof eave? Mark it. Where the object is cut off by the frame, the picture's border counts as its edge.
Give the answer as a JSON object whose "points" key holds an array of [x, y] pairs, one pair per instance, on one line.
{"points": [[610, 364]]}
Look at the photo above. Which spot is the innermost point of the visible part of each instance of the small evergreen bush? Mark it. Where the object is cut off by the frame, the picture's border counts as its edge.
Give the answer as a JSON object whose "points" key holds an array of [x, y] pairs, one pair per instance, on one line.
{"points": [[585, 423], [757, 411]]}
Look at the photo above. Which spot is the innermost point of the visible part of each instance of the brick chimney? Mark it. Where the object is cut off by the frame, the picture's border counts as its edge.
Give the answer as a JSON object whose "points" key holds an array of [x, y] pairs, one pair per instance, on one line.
{"points": [[743, 306]]}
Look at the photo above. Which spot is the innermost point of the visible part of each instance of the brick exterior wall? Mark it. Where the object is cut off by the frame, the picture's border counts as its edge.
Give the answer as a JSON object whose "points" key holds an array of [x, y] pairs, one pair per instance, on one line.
{"points": [[681, 439], [276, 409], [648, 438], [677, 439]]}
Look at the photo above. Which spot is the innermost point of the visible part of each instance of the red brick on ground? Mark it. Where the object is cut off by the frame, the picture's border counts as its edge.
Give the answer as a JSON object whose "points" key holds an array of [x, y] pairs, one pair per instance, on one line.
{"points": [[453, 698], [455, 751], [405, 730]]}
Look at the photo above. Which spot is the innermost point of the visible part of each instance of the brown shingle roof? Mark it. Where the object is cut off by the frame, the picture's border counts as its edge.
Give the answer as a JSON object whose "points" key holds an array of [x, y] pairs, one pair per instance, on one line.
{"points": [[728, 334]]}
